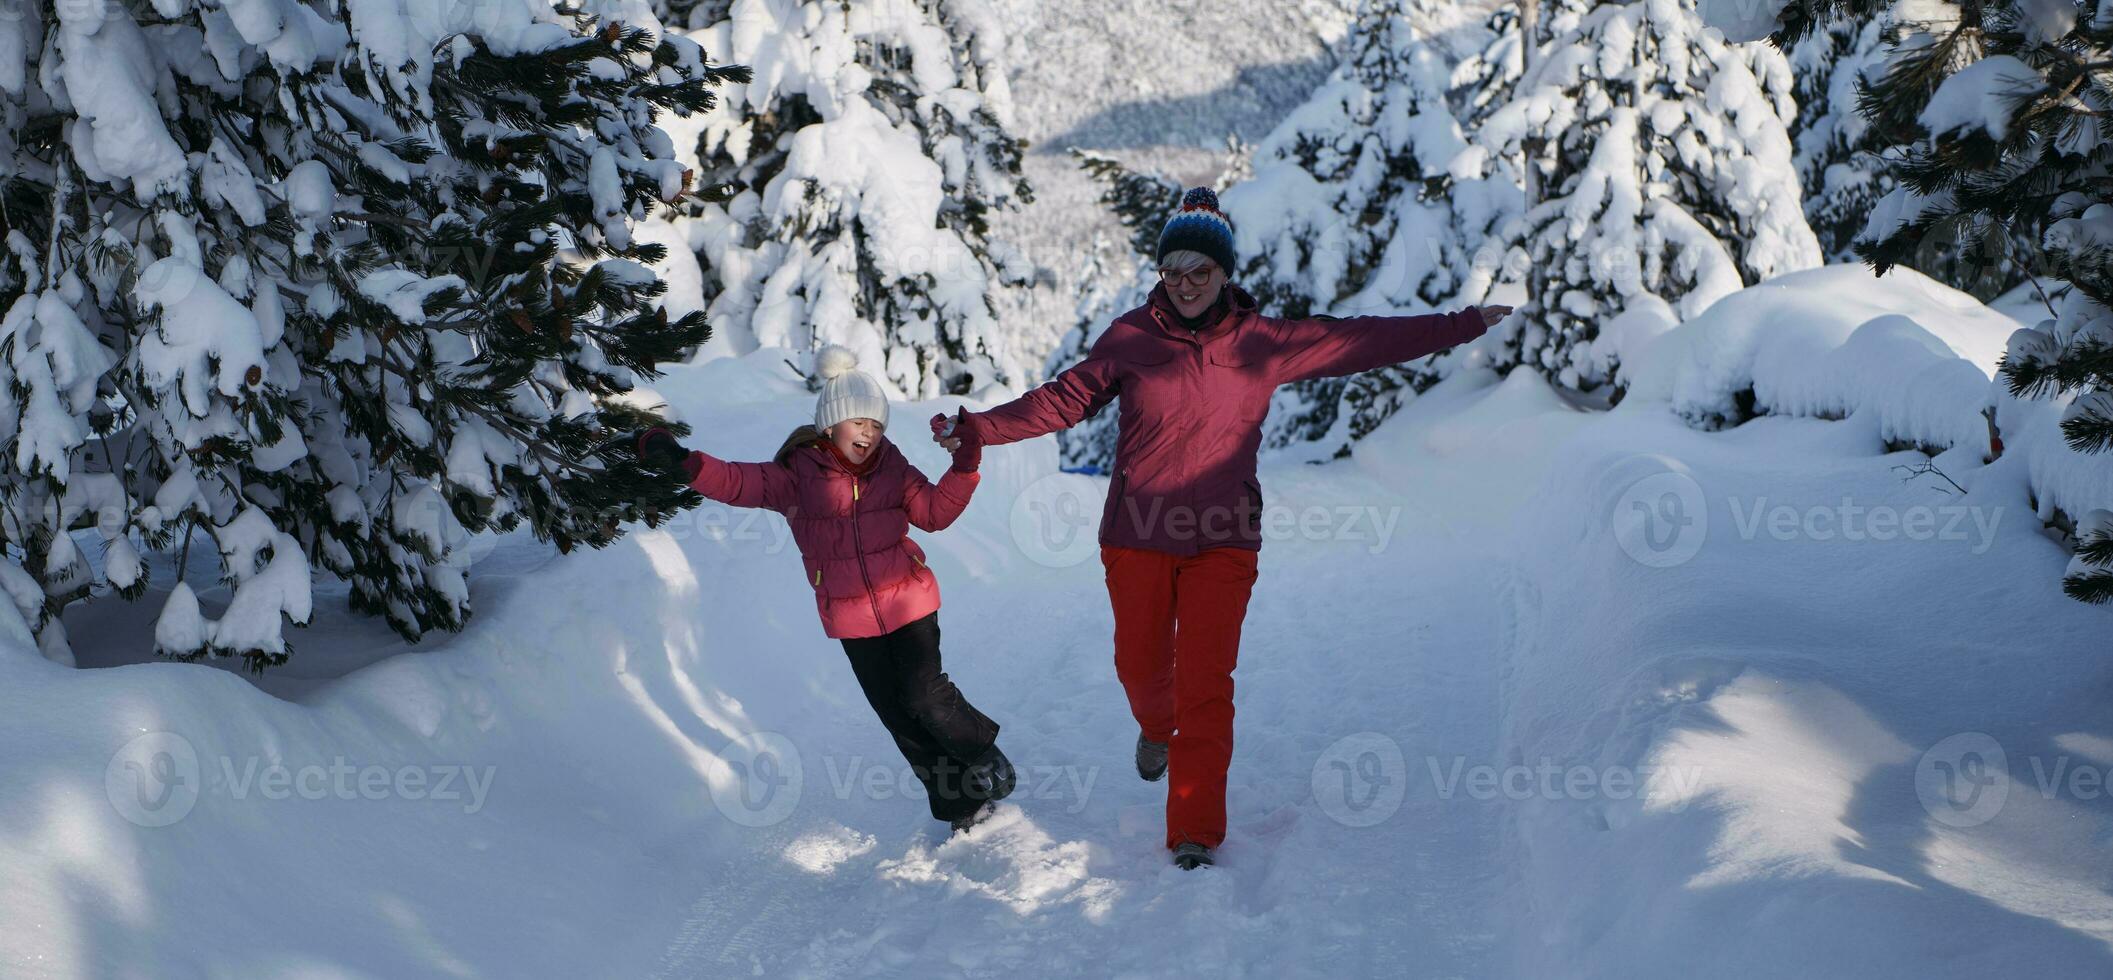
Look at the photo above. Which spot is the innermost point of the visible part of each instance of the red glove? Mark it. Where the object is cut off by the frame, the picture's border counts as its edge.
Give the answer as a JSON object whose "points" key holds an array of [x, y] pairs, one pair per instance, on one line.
{"points": [[969, 454]]}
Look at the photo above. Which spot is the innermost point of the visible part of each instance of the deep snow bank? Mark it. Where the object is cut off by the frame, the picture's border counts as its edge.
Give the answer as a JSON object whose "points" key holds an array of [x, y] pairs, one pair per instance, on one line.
{"points": [[1901, 352], [1850, 698]]}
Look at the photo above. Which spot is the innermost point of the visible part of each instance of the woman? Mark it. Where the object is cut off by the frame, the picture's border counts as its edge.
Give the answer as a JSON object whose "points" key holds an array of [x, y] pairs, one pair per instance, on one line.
{"points": [[1181, 531]]}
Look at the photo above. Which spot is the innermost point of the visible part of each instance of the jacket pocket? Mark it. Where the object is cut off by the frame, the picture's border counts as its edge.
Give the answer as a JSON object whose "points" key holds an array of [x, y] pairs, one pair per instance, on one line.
{"points": [[1233, 381]]}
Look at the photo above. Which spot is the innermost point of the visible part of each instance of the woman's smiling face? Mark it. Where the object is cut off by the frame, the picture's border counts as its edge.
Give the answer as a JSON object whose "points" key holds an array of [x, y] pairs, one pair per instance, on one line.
{"points": [[856, 438], [1193, 282]]}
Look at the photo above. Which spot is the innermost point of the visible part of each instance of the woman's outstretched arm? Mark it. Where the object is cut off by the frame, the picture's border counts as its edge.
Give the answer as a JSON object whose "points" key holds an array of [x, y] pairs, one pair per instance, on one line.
{"points": [[1323, 348], [1059, 403]]}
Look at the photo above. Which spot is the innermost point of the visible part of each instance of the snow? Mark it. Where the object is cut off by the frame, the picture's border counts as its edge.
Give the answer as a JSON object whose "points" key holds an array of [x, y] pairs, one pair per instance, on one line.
{"points": [[404, 292], [181, 628], [1826, 342], [1742, 20], [307, 190], [265, 587], [894, 190], [1453, 609], [204, 341], [1981, 97], [1765, 671], [108, 77]]}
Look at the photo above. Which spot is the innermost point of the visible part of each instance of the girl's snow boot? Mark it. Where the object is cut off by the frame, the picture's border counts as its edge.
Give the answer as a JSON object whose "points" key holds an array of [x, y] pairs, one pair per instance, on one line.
{"points": [[961, 824], [990, 778]]}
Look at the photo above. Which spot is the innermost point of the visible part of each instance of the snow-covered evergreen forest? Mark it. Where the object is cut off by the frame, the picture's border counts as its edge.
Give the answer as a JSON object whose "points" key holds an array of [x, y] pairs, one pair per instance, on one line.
{"points": [[1740, 604]]}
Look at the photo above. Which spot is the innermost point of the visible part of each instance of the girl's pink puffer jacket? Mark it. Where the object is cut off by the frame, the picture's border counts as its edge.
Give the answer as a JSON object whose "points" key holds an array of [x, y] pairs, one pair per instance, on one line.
{"points": [[868, 577]]}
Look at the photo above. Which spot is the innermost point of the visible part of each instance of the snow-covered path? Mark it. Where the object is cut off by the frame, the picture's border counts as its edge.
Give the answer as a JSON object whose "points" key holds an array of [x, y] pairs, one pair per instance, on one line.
{"points": [[1066, 882]]}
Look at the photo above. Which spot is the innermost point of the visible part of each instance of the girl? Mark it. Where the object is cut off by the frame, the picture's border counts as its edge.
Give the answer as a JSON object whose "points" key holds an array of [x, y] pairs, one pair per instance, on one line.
{"points": [[850, 496]]}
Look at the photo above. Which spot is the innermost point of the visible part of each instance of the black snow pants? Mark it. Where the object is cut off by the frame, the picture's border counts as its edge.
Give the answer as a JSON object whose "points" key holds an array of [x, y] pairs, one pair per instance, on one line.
{"points": [[939, 732]]}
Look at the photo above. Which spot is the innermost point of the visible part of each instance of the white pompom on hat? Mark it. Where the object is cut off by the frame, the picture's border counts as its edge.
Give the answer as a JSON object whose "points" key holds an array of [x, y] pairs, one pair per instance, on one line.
{"points": [[847, 392]]}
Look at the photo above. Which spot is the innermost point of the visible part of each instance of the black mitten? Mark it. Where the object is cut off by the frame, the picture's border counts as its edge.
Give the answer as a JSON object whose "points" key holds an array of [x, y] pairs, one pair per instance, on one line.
{"points": [[660, 452]]}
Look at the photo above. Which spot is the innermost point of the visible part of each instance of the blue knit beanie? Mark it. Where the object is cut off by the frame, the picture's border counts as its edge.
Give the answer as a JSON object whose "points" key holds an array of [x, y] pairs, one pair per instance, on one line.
{"points": [[1199, 227]]}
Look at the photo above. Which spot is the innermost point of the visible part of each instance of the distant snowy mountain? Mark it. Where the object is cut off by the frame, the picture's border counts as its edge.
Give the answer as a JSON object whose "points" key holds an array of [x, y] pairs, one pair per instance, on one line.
{"points": [[1161, 85]]}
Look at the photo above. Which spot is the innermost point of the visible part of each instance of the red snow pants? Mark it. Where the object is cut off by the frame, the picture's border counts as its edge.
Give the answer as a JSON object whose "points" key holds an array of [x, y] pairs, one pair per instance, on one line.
{"points": [[1177, 639]]}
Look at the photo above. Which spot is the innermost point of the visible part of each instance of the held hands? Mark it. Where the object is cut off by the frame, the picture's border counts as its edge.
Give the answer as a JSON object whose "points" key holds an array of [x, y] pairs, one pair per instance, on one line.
{"points": [[958, 435], [659, 452], [1492, 314]]}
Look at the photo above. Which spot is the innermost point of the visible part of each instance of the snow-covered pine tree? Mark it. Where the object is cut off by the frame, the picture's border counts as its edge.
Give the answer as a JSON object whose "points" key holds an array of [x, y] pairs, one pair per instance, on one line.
{"points": [[864, 160], [682, 15], [323, 287], [1116, 278], [1140, 201], [1665, 176], [1842, 157], [1487, 73], [1360, 203], [1839, 163], [2013, 134], [1998, 113]]}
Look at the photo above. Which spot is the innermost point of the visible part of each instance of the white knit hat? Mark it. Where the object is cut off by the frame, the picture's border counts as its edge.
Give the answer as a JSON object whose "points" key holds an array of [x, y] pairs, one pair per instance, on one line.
{"points": [[847, 392]]}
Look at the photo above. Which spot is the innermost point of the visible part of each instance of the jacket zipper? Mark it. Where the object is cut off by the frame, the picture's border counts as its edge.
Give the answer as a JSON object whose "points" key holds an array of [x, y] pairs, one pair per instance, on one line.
{"points": [[864, 575], [1116, 489]]}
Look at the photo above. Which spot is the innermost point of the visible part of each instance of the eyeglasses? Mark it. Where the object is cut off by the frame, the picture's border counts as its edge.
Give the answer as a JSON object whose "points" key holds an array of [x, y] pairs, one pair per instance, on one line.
{"points": [[1199, 276]]}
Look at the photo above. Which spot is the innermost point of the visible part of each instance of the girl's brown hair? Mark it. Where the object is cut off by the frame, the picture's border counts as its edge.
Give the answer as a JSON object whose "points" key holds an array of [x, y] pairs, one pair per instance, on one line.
{"points": [[803, 436]]}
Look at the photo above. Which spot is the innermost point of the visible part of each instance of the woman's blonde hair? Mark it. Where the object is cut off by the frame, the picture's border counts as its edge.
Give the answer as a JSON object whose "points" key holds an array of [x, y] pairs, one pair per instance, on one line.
{"points": [[1185, 260]]}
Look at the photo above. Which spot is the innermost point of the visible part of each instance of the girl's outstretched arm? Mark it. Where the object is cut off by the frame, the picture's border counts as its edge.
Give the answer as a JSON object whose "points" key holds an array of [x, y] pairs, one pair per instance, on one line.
{"points": [[932, 508], [935, 507], [765, 485]]}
